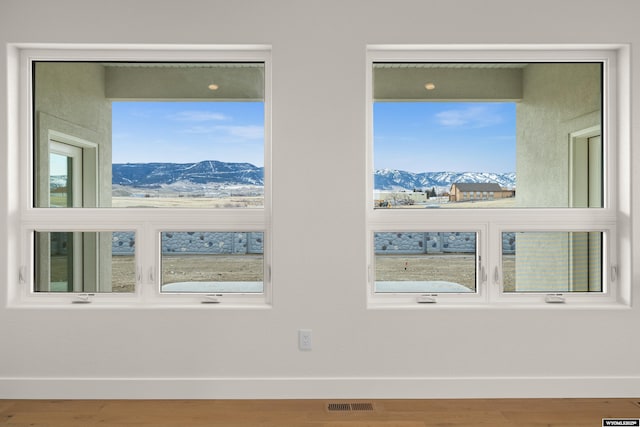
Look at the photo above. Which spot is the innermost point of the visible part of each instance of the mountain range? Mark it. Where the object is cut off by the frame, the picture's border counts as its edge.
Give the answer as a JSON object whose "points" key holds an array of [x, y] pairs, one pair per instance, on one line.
{"points": [[151, 175], [155, 175], [392, 179]]}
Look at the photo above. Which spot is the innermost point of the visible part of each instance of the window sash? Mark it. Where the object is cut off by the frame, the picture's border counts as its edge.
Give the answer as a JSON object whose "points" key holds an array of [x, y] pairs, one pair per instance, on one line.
{"points": [[489, 284], [148, 266]]}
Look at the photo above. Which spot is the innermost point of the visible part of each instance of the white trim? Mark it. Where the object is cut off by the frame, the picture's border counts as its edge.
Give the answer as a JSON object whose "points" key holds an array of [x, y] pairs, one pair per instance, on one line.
{"points": [[322, 388], [89, 167], [76, 154], [143, 53], [575, 138]]}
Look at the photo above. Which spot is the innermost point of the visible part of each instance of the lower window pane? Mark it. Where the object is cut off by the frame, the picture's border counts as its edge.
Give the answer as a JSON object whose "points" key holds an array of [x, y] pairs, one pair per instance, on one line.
{"points": [[79, 261], [212, 262], [425, 262], [552, 261]]}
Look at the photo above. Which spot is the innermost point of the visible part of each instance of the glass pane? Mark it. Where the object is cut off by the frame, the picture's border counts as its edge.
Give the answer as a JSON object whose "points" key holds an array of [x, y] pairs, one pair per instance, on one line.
{"points": [[85, 262], [425, 262], [212, 262], [123, 261], [60, 182], [155, 134], [552, 261], [487, 135], [61, 262]]}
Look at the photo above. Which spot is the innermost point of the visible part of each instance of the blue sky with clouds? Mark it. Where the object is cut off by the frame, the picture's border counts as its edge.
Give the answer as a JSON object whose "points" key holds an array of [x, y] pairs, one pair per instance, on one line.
{"points": [[186, 132], [411, 136], [444, 136]]}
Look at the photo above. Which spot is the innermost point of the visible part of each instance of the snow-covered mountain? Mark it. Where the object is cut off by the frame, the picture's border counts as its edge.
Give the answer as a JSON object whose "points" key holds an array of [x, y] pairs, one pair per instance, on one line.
{"points": [[392, 179], [151, 175], [189, 176]]}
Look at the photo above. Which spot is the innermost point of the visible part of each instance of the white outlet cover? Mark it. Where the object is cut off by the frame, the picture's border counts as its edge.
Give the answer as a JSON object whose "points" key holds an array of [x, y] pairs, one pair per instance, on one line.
{"points": [[305, 342]]}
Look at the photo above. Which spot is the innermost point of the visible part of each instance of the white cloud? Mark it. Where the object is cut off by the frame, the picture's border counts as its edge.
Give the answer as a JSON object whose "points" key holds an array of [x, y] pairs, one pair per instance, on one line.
{"points": [[199, 116], [233, 133], [245, 132], [470, 117], [198, 129]]}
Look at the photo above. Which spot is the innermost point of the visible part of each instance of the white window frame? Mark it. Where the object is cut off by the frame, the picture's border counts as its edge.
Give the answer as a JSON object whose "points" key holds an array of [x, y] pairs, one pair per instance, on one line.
{"points": [[613, 219], [146, 223]]}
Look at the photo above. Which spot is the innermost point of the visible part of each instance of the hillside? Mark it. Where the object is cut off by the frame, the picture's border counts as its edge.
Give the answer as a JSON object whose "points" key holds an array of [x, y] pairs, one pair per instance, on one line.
{"points": [[391, 179], [187, 177], [150, 175]]}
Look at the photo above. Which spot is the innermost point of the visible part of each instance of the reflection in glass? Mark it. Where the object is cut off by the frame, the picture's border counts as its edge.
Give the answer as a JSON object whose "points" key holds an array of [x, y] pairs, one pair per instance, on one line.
{"points": [[85, 262], [425, 262], [61, 262], [60, 184], [552, 261]]}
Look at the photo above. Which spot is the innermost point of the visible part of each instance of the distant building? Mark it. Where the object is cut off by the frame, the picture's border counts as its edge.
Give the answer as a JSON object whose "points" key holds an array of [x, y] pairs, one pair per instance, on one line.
{"points": [[464, 191]]}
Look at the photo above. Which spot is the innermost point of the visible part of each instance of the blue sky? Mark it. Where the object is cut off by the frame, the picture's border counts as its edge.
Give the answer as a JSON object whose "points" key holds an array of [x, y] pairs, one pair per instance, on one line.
{"points": [[57, 165], [411, 136], [186, 132], [444, 136]]}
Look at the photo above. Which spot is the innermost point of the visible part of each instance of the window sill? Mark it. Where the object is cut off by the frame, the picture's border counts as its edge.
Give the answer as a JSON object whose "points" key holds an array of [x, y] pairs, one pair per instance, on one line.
{"points": [[496, 306], [134, 306]]}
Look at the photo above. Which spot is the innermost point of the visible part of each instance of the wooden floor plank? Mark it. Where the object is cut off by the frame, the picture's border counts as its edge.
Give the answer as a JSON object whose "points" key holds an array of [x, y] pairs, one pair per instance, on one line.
{"points": [[314, 413]]}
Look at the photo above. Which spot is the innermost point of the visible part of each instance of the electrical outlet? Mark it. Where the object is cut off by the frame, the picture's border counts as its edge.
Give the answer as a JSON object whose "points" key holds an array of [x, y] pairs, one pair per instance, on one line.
{"points": [[304, 339]]}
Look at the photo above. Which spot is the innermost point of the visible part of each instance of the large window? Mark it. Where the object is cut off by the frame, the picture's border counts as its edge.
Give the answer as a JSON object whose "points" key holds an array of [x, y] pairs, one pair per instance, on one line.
{"points": [[511, 152], [127, 156]]}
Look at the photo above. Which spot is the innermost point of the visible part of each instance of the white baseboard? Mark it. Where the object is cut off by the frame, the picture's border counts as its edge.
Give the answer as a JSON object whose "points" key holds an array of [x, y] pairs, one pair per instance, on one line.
{"points": [[318, 388]]}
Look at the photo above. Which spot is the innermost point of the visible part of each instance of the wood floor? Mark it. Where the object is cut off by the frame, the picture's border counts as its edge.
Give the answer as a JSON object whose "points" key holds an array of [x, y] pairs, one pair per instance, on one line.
{"points": [[315, 413]]}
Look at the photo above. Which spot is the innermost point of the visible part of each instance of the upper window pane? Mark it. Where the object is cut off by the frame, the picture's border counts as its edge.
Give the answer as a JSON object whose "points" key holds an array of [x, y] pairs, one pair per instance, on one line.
{"points": [[495, 135], [149, 134]]}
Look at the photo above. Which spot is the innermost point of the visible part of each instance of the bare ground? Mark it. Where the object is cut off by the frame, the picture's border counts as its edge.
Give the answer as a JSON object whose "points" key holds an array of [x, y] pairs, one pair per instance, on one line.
{"points": [[192, 268], [446, 267], [182, 268], [188, 202], [258, 202]]}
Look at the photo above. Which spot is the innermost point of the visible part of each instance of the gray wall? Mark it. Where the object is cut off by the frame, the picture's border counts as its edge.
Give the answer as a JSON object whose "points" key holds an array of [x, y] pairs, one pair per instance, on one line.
{"points": [[434, 243], [319, 124], [212, 243], [70, 97], [239, 243], [558, 99]]}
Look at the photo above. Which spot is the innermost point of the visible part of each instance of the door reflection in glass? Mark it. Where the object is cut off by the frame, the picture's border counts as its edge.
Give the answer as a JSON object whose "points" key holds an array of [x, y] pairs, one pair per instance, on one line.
{"points": [[60, 182], [65, 191]]}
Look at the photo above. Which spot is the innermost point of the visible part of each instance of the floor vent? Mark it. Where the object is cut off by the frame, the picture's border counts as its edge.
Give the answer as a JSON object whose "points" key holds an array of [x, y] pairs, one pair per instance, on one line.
{"points": [[349, 407]]}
